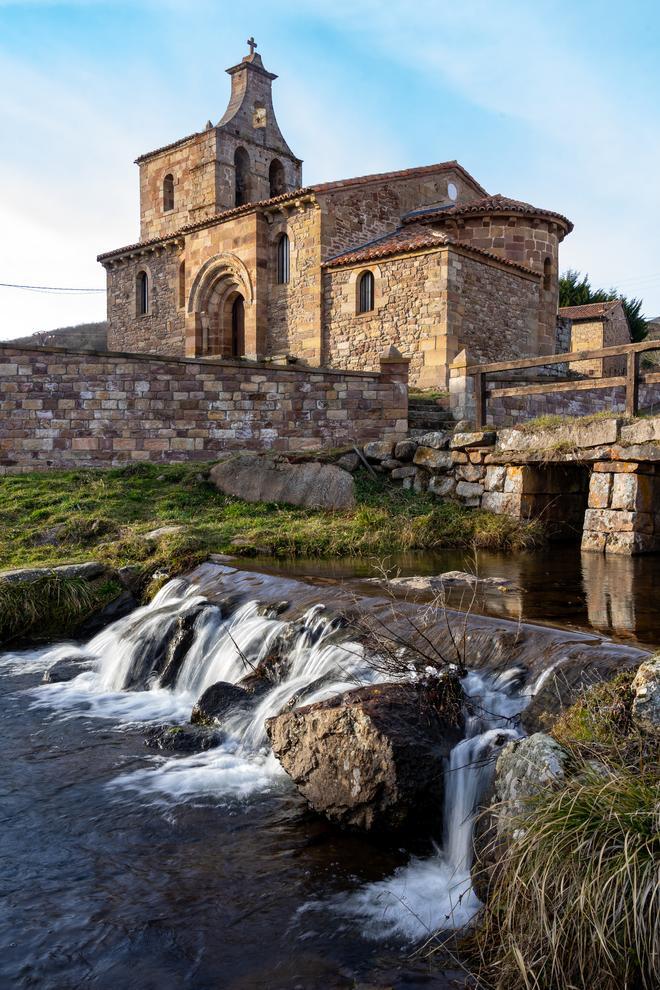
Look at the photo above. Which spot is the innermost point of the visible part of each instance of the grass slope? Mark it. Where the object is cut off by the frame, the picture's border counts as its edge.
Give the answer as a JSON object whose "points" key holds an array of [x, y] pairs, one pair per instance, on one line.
{"points": [[47, 518]]}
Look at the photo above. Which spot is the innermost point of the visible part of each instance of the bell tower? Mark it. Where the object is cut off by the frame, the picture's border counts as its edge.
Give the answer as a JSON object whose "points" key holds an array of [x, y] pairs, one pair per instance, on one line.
{"points": [[255, 162]]}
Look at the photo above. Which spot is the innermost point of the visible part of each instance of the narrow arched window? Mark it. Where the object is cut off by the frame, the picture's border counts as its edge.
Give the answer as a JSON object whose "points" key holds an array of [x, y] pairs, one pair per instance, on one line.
{"points": [[142, 294], [283, 260], [276, 177], [168, 193], [182, 284], [547, 274], [366, 292], [242, 176]]}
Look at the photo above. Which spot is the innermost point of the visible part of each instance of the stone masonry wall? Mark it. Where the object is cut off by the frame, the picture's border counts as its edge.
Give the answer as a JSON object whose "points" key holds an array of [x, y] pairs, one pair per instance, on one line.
{"points": [[161, 330], [492, 311], [192, 163], [357, 214], [430, 305], [294, 310], [410, 311], [65, 409], [529, 242]]}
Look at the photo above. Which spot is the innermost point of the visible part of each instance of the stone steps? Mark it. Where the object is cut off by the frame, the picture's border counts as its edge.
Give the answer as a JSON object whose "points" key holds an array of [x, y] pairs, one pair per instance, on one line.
{"points": [[427, 415]]}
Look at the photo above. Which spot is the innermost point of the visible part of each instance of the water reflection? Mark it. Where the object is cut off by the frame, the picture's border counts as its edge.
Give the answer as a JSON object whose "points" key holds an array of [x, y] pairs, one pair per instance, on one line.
{"points": [[560, 585]]}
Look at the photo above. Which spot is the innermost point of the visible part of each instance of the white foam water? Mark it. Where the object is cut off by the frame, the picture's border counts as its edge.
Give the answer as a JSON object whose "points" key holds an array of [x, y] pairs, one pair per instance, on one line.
{"points": [[419, 898], [427, 895]]}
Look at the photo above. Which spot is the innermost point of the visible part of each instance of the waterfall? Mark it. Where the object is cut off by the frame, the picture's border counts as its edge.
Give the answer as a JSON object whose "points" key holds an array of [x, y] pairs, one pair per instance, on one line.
{"points": [[318, 660]]}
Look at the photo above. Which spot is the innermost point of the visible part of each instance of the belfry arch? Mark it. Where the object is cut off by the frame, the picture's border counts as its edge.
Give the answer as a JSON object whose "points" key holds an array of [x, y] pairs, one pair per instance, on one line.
{"points": [[220, 318]]}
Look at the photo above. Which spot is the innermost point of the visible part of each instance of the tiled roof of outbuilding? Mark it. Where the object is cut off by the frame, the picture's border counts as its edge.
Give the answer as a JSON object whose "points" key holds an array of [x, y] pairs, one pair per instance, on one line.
{"points": [[588, 311], [489, 204], [411, 238]]}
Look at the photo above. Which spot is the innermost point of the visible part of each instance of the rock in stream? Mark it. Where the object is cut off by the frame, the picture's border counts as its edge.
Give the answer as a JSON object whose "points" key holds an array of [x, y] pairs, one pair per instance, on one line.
{"points": [[373, 758]]}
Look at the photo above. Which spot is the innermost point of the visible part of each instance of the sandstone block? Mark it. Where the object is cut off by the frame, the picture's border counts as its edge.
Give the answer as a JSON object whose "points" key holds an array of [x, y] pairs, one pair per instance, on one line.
{"points": [[405, 471], [439, 439], [502, 504], [470, 472], [632, 491], [262, 479], [443, 486], [593, 542], [571, 434], [641, 431], [466, 489], [600, 489], [431, 458], [495, 477], [485, 438], [618, 521], [628, 544], [378, 450], [405, 450]]}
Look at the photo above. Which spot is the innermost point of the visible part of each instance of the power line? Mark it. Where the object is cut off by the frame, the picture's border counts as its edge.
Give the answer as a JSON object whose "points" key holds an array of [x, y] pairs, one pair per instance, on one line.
{"points": [[47, 288]]}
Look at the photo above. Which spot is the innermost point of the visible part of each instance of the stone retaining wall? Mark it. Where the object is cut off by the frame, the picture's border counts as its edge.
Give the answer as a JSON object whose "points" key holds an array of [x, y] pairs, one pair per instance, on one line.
{"points": [[62, 408]]}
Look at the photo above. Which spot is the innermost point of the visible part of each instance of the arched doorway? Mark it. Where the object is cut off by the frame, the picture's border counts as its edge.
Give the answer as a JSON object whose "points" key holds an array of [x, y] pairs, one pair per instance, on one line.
{"points": [[225, 322], [219, 321], [238, 326]]}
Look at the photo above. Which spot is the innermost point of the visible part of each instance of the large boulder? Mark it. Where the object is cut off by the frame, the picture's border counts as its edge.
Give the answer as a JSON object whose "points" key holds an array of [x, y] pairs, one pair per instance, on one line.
{"points": [[264, 478], [373, 758]]}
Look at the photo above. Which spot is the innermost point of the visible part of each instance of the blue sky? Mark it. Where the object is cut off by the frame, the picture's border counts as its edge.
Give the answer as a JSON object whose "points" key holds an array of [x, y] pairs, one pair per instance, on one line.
{"points": [[555, 103]]}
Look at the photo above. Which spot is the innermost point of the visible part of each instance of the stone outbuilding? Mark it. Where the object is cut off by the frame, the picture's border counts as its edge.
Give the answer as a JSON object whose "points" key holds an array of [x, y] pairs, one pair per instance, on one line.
{"points": [[237, 258], [596, 325]]}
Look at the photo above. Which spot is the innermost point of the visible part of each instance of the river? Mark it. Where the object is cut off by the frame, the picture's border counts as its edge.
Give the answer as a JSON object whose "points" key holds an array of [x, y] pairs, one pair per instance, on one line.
{"points": [[121, 867]]}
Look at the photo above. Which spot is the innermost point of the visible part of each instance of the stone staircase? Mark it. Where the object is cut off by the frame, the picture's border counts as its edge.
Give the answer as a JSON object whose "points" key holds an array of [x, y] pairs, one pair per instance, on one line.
{"points": [[425, 415]]}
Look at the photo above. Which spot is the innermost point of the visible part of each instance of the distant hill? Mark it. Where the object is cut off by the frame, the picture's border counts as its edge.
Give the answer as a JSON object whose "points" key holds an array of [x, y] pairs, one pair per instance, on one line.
{"points": [[82, 337]]}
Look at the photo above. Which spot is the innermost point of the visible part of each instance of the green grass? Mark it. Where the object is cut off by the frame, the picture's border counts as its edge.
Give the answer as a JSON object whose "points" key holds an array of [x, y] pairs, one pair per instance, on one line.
{"points": [[50, 605], [574, 899], [553, 421], [59, 516]]}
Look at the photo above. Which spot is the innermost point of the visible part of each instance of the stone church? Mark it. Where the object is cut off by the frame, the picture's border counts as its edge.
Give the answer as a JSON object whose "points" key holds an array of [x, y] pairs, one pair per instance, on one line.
{"points": [[237, 258]]}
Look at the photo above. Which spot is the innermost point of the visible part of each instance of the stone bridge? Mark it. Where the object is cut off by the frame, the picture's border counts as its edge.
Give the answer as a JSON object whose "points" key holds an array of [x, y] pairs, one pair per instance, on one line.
{"points": [[600, 477], [594, 479]]}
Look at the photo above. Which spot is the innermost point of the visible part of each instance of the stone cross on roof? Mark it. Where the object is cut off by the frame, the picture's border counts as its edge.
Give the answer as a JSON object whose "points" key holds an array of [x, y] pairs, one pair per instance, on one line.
{"points": [[252, 44]]}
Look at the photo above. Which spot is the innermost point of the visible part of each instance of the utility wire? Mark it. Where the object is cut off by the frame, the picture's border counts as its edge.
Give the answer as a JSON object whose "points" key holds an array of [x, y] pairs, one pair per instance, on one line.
{"points": [[46, 288]]}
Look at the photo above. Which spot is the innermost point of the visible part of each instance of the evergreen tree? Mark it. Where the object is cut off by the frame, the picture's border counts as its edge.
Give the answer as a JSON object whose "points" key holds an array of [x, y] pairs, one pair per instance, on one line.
{"points": [[576, 290]]}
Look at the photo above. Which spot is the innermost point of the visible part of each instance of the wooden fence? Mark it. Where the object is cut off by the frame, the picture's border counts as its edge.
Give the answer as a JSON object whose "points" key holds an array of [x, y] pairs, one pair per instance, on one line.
{"points": [[630, 381]]}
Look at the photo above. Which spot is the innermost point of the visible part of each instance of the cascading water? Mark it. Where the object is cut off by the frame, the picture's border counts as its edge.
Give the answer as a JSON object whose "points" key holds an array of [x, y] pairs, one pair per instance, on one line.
{"points": [[319, 661]]}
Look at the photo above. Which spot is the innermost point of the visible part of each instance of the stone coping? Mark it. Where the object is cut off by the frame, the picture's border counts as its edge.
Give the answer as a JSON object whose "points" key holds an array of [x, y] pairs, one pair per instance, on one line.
{"points": [[268, 366]]}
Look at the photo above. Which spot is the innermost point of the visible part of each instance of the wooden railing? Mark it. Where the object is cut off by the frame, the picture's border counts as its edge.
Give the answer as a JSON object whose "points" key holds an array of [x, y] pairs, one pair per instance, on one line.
{"points": [[630, 381]]}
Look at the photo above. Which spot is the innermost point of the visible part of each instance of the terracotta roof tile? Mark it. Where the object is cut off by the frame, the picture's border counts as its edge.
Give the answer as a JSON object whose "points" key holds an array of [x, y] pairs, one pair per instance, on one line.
{"points": [[411, 238], [588, 311], [321, 187], [489, 204]]}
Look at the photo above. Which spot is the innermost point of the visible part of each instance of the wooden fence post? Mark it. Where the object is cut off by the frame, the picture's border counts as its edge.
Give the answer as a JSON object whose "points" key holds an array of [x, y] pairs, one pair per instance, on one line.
{"points": [[480, 396], [632, 383]]}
